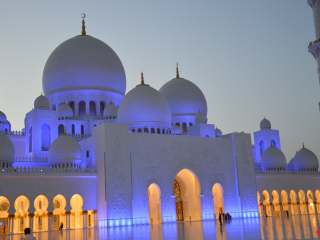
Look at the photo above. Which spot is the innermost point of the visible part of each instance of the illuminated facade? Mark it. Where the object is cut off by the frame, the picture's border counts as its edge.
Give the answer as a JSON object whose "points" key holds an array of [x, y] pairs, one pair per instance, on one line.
{"points": [[91, 155]]}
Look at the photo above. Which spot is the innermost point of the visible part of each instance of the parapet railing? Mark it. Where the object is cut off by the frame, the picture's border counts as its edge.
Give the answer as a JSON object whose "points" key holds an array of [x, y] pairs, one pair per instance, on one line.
{"points": [[77, 135], [31, 159], [288, 172], [46, 170], [17, 133]]}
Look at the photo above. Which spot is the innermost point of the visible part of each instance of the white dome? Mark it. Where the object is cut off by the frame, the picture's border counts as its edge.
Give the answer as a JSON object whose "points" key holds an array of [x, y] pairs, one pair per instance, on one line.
{"points": [[200, 118], [265, 124], [110, 110], [7, 152], [65, 149], [184, 97], [305, 159], [273, 157], [218, 132], [8, 123], [144, 104], [42, 102], [176, 130], [3, 117], [64, 110], [83, 62]]}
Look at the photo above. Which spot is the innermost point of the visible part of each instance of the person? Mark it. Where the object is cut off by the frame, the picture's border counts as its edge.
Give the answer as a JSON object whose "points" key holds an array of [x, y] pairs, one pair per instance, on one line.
{"points": [[61, 226], [4, 229], [220, 218], [27, 232]]}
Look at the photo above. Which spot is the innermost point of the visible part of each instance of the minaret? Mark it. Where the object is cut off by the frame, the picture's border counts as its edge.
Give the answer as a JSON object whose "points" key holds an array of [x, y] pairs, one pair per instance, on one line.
{"points": [[314, 47]]}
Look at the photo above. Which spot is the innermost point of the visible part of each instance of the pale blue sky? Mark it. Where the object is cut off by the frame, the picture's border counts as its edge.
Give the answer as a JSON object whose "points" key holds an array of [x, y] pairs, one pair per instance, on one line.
{"points": [[250, 58]]}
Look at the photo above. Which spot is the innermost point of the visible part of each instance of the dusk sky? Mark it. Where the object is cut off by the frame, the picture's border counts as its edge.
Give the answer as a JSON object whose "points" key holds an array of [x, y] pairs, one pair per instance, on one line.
{"points": [[250, 58]]}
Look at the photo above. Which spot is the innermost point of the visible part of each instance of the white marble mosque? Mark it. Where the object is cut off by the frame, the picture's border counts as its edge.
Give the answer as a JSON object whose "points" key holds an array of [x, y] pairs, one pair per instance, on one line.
{"points": [[92, 155]]}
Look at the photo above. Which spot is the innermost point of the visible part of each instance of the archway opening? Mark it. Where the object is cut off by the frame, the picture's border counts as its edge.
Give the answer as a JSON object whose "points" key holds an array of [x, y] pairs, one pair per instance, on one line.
{"points": [[21, 215], [294, 205], [310, 202], [302, 199], [76, 203], [218, 201], [275, 202], [285, 204], [60, 129], [82, 108], [92, 106], [4, 207], [187, 196], [59, 203], [266, 203], [41, 204], [154, 202]]}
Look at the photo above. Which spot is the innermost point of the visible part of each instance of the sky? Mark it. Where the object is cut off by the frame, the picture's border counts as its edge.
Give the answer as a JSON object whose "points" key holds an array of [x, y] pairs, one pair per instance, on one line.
{"points": [[250, 58]]}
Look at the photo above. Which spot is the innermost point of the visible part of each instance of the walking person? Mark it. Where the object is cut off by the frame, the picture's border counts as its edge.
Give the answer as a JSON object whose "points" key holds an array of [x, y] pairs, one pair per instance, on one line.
{"points": [[27, 232], [4, 229], [61, 226], [220, 219]]}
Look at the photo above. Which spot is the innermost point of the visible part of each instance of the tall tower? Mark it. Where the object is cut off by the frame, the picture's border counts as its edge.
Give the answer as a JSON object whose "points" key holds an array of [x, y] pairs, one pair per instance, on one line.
{"points": [[314, 47]]}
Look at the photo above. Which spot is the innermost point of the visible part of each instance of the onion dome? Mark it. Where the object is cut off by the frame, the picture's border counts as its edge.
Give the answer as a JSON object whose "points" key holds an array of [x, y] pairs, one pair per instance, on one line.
{"points": [[144, 104], [176, 130], [305, 159], [7, 151], [110, 110], [64, 110], [200, 118], [3, 117], [65, 149], [42, 102], [83, 63], [218, 132], [265, 124], [273, 157], [184, 97]]}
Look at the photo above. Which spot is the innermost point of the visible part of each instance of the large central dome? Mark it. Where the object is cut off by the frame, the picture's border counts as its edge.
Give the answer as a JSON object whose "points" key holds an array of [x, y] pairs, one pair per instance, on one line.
{"points": [[83, 62]]}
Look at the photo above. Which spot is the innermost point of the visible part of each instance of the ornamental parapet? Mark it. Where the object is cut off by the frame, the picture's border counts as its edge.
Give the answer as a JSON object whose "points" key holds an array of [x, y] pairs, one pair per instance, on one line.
{"points": [[289, 173], [44, 171]]}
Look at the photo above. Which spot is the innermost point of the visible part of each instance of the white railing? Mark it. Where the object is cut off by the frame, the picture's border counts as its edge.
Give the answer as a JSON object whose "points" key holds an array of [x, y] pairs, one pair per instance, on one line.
{"points": [[46, 170], [17, 133], [31, 159], [77, 135]]}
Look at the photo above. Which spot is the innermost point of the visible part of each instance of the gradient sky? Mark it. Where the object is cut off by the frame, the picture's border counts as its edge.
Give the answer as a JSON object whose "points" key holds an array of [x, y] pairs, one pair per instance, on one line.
{"points": [[250, 58]]}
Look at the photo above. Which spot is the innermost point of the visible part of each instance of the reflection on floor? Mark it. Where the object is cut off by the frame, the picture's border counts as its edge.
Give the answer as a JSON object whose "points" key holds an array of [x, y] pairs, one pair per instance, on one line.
{"points": [[277, 227]]}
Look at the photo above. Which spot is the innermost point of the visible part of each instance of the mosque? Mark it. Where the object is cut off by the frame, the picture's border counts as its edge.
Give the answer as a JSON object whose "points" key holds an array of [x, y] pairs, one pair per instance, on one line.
{"points": [[92, 155]]}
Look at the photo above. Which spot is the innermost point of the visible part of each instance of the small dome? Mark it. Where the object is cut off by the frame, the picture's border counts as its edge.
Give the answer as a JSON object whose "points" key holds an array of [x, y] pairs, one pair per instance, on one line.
{"points": [[176, 130], [7, 152], [65, 149], [200, 118], [305, 159], [184, 97], [218, 132], [42, 102], [3, 117], [8, 123], [273, 157], [265, 124], [64, 110], [144, 104], [290, 165], [110, 110]]}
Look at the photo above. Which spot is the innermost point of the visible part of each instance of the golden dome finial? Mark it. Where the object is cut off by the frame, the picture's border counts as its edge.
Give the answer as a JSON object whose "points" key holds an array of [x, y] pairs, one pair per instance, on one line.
{"points": [[83, 25], [142, 81], [177, 70]]}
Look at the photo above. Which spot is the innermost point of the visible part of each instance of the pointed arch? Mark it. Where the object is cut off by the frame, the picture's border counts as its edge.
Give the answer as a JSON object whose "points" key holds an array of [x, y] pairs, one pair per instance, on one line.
{"points": [[76, 203], [45, 137], [294, 206], [21, 206], [154, 194], [59, 203], [41, 204], [218, 200]]}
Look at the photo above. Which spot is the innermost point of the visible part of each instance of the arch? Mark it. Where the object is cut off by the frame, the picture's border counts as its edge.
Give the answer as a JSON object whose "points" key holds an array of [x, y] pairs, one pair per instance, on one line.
{"points": [[302, 200], [60, 129], [218, 200], [76, 203], [177, 124], [30, 139], [152, 130], [82, 130], [102, 106], [92, 107], [154, 194], [59, 203], [163, 131], [158, 131], [190, 124], [146, 130], [285, 203], [45, 137], [184, 127], [310, 203], [41, 204], [294, 206], [21, 206], [273, 143], [261, 146], [139, 130], [275, 202], [82, 108], [266, 203], [71, 104], [53, 107], [4, 207], [133, 130], [187, 196]]}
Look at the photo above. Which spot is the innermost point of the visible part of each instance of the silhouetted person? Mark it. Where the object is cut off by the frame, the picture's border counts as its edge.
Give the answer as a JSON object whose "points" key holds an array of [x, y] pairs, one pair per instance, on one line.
{"points": [[4, 229], [27, 232], [220, 219], [61, 226]]}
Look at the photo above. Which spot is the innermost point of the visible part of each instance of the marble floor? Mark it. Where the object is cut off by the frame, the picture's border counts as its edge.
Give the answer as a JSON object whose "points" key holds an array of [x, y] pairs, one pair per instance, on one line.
{"points": [[278, 227]]}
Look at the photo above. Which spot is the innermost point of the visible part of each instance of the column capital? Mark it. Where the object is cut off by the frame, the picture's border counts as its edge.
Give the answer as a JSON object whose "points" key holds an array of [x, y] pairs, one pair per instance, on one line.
{"points": [[68, 213], [11, 216], [31, 215], [50, 214], [84, 212], [94, 211]]}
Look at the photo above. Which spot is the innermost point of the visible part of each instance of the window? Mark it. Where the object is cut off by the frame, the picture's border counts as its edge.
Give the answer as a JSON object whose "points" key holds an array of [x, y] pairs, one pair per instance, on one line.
{"points": [[82, 129], [184, 127], [71, 104], [152, 130], [30, 139], [163, 131], [60, 129], [178, 124], [45, 137], [146, 130], [73, 129], [139, 130], [158, 131], [101, 108], [87, 154], [92, 106], [82, 108], [53, 107], [261, 145]]}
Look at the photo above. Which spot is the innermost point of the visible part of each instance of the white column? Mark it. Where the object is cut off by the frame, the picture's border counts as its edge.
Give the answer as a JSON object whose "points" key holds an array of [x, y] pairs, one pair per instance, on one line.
{"points": [[31, 215], [68, 220], [50, 221]]}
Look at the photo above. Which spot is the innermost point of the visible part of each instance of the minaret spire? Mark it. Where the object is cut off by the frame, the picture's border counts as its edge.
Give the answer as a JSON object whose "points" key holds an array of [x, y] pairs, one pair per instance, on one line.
{"points": [[177, 70], [83, 25]]}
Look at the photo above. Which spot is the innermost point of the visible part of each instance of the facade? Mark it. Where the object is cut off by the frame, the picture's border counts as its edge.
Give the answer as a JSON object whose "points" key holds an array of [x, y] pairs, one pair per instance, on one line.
{"points": [[91, 154]]}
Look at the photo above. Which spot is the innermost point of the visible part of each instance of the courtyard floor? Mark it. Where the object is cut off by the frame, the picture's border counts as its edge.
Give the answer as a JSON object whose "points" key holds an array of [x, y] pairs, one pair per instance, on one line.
{"points": [[277, 227]]}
